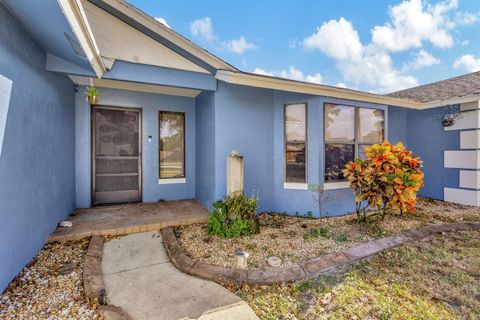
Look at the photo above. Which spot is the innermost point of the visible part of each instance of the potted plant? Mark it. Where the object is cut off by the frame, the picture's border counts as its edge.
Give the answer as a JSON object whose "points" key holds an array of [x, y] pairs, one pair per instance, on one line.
{"points": [[93, 95]]}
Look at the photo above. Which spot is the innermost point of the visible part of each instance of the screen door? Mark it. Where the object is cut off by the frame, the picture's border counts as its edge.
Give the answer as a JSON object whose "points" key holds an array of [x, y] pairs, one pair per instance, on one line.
{"points": [[116, 155]]}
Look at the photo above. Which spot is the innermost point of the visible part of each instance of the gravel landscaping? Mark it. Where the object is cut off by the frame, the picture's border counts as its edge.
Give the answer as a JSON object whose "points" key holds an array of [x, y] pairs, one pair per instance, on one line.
{"points": [[437, 278], [296, 239], [50, 287]]}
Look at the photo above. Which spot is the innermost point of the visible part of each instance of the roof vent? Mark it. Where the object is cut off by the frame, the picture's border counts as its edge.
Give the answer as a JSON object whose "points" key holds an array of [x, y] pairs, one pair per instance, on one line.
{"points": [[75, 46]]}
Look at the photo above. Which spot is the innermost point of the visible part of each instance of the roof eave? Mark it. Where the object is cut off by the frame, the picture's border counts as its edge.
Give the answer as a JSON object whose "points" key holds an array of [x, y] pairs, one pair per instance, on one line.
{"points": [[75, 15], [267, 82]]}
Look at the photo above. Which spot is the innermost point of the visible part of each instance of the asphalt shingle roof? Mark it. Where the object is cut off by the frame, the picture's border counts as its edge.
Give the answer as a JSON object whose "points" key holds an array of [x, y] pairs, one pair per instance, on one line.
{"points": [[461, 86]]}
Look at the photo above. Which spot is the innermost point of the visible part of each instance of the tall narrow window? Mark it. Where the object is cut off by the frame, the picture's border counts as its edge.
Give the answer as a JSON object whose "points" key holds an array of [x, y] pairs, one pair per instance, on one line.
{"points": [[348, 130], [295, 143], [172, 144]]}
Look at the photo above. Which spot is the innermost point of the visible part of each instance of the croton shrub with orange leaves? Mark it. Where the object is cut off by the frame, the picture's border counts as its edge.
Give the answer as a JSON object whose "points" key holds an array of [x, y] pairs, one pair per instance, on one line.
{"points": [[389, 176]]}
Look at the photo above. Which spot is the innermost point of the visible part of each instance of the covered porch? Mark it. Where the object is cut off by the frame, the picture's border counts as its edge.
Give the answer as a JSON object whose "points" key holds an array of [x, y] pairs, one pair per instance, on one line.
{"points": [[130, 218]]}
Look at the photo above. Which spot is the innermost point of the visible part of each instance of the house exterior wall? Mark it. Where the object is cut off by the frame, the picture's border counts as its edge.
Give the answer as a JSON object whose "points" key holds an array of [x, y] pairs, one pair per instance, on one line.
{"points": [[150, 104], [244, 121], [205, 148], [398, 125], [427, 139], [251, 121], [37, 172]]}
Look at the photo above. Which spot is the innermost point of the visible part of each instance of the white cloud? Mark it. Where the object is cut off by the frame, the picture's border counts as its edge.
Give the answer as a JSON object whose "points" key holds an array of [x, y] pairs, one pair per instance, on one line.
{"points": [[465, 43], [375, 70], [421, 59], [467, 63], [239, 45], [291, 73], [466, 18], [368, 66], [262, 72], [203, 28], [337, 39], [414, 21], [341, 85], [163, 21]]}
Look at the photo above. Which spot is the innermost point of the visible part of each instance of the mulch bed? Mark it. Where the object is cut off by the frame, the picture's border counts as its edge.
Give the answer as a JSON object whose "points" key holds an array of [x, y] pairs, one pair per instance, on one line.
{"points": [[298, 239], [50, 287]]}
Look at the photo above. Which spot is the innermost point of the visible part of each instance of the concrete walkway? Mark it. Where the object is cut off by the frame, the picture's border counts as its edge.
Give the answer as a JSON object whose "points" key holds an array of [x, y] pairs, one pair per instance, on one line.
{"points": [[140, 278]]}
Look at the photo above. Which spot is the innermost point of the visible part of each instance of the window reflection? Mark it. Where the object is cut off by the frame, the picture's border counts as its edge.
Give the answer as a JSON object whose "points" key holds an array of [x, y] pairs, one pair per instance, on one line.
{"points": [[339, 123], [348, 130], [172, 144], [295, 143]]}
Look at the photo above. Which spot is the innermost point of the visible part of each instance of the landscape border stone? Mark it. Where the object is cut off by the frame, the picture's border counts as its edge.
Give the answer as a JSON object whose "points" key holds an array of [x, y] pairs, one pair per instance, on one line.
{"points": [[305, 270], [93, 285]]}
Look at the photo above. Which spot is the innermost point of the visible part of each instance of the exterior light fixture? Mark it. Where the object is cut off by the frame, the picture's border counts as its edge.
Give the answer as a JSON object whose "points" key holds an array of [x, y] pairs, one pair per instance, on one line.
{"points": [[242, 259]]}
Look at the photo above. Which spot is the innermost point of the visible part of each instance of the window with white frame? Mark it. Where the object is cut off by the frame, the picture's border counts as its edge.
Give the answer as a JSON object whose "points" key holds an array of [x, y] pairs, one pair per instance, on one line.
{"points": [[348, 130], [295, 120]]}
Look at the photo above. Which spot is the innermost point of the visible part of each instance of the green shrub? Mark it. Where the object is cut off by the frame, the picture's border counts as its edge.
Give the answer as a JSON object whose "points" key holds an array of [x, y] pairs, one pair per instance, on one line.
{"points": [[232, 217], [316, 232]]}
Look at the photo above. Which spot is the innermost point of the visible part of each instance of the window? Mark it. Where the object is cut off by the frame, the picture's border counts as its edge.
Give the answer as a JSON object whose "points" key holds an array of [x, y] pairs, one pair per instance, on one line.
{"points": [[172, 144], [348, 130], [295, 143]]}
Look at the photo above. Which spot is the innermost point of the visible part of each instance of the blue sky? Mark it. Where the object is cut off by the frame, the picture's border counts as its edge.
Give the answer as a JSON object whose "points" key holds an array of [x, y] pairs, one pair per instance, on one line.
{"points": [[379, 46]]}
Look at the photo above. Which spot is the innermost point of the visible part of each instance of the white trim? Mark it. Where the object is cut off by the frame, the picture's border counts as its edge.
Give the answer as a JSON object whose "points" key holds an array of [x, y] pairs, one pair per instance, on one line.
{"points": [[336, 185], [470, 179], [268, 82], [464, 159], [462, 196], [456, 100], [134, 86], [75, 15], [470, 139], [172, 181], [295, 186], [469, 120], [471, 105]]}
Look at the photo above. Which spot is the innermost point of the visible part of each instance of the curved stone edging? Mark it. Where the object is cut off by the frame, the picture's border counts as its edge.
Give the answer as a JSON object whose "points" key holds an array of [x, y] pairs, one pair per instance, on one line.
{"points": [[93, 281], [304, 270]]}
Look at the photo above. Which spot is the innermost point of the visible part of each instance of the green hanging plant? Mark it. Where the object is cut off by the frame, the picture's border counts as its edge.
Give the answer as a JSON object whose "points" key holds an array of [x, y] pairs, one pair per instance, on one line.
{"points": [[93, 95]]}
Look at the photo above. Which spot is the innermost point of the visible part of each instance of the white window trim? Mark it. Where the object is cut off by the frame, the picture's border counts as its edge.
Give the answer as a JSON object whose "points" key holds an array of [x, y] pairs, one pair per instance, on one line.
{"points": [[295, 186], [172, 181], [336, 185]]}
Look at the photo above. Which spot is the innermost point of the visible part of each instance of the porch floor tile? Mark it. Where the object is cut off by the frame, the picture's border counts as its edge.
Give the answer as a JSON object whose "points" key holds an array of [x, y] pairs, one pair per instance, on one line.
{"points": [[130, 218]]}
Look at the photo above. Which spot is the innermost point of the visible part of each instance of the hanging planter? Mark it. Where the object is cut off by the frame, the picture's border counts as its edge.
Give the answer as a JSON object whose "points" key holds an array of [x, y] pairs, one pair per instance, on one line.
{"points": [[448, 116], [448, 121], [93, 95]]}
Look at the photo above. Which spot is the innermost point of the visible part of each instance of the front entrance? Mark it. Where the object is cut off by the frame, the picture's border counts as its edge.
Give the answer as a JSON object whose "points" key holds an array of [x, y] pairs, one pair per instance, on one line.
{"points": [[116, 155]]}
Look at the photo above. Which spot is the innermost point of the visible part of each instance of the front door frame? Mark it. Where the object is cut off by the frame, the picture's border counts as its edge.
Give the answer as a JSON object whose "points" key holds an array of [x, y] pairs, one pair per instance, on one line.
{"points": [[92, 150]]}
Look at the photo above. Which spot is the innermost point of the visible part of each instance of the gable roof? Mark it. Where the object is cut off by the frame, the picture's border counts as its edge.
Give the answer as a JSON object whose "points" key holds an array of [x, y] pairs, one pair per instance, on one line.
{"points": [[148, 25], [457, 87], [116, 40]]}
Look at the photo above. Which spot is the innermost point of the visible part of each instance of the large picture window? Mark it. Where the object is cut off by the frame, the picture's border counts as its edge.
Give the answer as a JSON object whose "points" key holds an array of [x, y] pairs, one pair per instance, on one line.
{"points": [[348, 130], [295, 143], [172, 144]]}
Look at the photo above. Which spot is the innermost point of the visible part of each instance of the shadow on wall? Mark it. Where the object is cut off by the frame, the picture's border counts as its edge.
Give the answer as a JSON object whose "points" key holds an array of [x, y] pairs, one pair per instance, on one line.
{"points": [[5, 93]]}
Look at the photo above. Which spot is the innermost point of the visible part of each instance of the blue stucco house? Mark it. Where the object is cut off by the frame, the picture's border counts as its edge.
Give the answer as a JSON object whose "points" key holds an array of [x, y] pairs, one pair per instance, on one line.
{"points": [[169, 115]]}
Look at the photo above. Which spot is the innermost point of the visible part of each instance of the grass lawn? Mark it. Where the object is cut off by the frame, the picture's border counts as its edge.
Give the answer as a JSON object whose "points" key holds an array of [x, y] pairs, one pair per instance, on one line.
{"points": [[438, 278]]}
